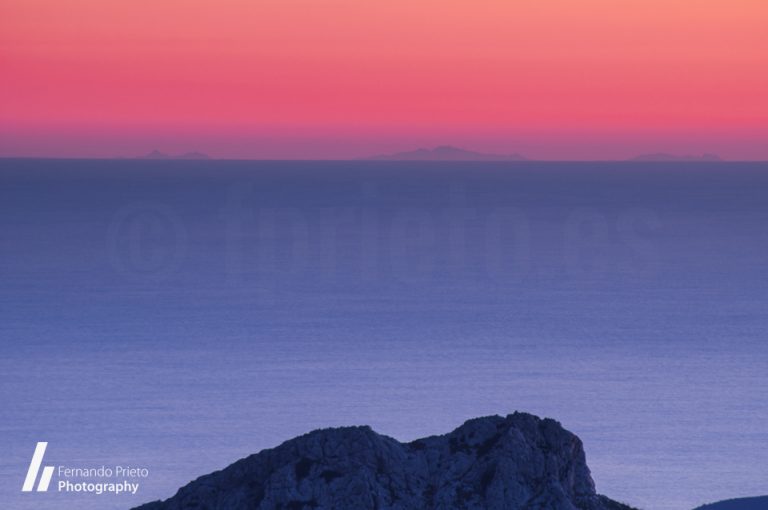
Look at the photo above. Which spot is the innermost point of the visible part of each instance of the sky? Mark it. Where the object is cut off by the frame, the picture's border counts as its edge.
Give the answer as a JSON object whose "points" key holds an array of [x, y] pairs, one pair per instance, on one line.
{"points": [[552, 79]]}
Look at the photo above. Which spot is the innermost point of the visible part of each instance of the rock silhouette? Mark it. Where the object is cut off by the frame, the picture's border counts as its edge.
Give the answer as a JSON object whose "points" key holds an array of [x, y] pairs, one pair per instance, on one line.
{"points": [[517, 462]]}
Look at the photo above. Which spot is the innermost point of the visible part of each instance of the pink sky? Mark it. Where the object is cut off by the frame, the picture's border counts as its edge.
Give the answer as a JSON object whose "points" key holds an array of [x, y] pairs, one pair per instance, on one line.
{"points": [[552, 79]]}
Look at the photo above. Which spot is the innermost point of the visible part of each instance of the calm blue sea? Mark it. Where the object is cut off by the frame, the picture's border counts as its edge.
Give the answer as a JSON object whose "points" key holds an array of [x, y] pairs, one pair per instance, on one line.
{"points": [[179, 315]]}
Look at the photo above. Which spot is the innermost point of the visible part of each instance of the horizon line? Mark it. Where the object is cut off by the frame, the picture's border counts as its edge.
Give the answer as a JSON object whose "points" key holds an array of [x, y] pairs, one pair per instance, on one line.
{"points": [[372, 159]]}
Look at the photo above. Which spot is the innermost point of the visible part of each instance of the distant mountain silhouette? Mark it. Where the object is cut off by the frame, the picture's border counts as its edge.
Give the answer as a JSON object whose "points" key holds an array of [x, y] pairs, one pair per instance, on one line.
{"points": [[193, 155], [446, 153], [156, 154], [758, 503], [662, 157], [493, 463]]}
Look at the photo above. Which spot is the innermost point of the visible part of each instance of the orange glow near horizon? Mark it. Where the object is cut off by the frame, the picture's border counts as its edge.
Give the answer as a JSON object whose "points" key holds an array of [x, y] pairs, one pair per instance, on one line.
{"points": [[309, 78]]}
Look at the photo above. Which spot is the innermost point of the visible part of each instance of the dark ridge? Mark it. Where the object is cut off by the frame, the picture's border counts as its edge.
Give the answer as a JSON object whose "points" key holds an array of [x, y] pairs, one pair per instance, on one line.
{"points": [[756, 503], [520, 462]]}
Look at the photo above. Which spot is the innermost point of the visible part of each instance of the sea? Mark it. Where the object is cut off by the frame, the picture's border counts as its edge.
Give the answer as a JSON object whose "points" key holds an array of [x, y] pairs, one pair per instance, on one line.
{"points": [[175, 316]]}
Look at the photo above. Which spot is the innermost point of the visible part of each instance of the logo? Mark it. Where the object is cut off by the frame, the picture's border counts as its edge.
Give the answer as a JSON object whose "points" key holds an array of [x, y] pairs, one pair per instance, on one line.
{"points": [[103, 479], [34, 468]]}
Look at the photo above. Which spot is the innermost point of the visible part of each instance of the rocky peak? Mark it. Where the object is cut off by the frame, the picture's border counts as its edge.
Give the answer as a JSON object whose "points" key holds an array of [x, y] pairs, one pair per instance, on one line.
{"points": [[494, 463]]}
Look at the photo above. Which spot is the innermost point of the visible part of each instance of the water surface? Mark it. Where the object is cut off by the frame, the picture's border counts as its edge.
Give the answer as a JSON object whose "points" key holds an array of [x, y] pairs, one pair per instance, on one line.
{"points": [[178, 315]]}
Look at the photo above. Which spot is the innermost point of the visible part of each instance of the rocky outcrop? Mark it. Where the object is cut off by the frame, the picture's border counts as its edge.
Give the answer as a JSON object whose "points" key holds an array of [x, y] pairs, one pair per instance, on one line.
{"points": [[494, 463]]}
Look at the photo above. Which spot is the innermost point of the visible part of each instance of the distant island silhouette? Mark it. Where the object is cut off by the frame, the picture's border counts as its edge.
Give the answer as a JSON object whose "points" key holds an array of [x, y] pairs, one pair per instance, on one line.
{"points": [[450, 153], [663, 157], [446, 153], [156, 154]]}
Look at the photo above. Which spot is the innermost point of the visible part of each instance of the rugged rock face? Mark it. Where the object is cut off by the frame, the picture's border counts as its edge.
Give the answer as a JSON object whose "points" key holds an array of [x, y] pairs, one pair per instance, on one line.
{"points": [[493, 463]]}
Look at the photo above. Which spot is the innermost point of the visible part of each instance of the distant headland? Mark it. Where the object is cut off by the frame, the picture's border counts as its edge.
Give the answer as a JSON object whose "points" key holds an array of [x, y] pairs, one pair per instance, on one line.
{"points": [[757, 503]]}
